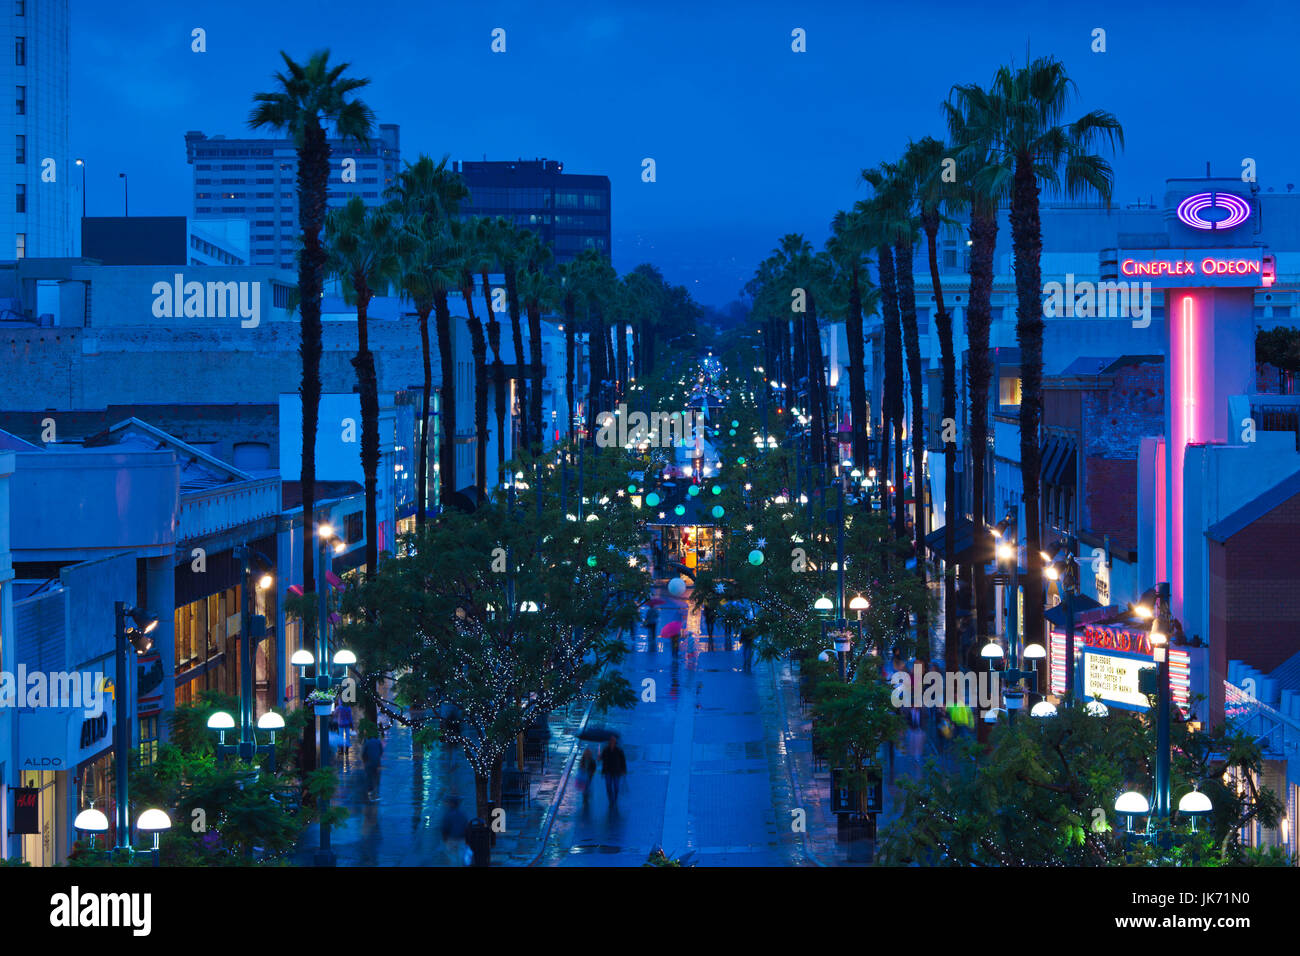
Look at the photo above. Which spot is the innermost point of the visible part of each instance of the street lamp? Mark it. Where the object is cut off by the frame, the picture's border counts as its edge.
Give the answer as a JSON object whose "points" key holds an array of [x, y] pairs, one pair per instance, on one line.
{"points": [[1194, 804], [1007, 573], [253, 629], [1064, 570], [82, 164], [91, 821], [1132, 804], [137, 635], [155, 822]]}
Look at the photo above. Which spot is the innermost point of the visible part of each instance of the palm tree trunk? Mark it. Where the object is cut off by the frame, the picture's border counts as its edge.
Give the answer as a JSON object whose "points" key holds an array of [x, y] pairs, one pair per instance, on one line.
{"points": [[570, 351], [597, 365], [1027, 244], [943, 324], [979, 319], [364, 363], [478, 346], [422, 475], [907, 307], [313, 179], [498, 375], [535, 388], [857, 371], [893, 398], [517, 337], [447, 477], [620, 330]]}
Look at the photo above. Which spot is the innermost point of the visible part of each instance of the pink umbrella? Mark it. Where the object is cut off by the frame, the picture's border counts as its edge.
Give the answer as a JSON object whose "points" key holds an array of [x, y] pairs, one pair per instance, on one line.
{"points": [[671, 630]]}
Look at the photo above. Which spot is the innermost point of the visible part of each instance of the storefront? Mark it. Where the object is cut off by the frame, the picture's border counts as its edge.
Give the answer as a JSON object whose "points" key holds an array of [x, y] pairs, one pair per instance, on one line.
{"points": [[692, 546], [61, 750]]}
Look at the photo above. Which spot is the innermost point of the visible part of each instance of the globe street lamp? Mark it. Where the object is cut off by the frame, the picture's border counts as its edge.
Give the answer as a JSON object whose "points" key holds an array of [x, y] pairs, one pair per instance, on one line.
{"points": [[155, 822]]}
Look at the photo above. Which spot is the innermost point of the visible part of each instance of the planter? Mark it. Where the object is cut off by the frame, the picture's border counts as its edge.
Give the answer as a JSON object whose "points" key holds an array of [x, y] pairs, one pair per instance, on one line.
{"points": [[323, 710]]}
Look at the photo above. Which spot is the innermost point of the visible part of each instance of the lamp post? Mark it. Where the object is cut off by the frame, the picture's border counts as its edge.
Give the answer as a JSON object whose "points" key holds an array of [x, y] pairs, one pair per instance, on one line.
{"points": [[1008, 574], [138, 636], [126, 195], [253, 629], [325, 679], [82, 164], [1160, 631]]}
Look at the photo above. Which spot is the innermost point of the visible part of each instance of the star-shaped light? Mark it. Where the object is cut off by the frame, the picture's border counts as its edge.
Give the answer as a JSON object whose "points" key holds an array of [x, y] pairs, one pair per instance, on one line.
{"points": [[761, 543], [749, 527], [720, 587]]}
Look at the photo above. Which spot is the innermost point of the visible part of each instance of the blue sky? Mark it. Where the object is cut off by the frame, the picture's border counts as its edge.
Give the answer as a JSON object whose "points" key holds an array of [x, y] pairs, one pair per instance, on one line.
{"points": [[750, 139]]}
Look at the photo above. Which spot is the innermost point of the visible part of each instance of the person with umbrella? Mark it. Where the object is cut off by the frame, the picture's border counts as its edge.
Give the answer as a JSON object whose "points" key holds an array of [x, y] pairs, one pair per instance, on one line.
{"points": [[613, 766]]}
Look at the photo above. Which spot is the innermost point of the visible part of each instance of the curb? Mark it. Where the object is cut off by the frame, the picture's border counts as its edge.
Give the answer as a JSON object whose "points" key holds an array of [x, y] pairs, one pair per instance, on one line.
{"points": [[789, 767]]}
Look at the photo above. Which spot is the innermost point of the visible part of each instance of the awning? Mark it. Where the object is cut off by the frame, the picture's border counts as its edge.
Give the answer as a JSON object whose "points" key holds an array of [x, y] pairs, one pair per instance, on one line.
{"points": [[963, 535], [1058, 461]]}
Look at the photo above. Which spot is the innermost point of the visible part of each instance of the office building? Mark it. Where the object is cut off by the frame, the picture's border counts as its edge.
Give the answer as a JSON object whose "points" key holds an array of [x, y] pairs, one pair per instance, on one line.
{"points": [[257, 180], [37, 211], [570, 211]]}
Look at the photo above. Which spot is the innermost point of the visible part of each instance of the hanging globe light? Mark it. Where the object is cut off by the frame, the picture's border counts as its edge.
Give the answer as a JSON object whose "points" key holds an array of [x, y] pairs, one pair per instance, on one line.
{"points": [[717, 489], [680, 510], [591, 561], [693, 490], [652, 500], [718, 511], [756, 557]]}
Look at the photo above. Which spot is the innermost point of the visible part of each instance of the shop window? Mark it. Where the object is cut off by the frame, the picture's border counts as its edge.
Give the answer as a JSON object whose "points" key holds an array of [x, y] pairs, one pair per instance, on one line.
{"points": [[353, 527], [148, 740], [1009, 390]]}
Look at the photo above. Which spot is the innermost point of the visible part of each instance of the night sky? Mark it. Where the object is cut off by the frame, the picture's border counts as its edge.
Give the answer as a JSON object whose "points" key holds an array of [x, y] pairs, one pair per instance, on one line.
{"points": [[750, 139]]}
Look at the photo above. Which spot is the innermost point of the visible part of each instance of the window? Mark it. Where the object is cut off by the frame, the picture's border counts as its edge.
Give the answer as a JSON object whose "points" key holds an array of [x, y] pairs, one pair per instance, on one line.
{"points": [[20, 198], [1009, 390], [20, 8], [20, 149], [148, 740], [20, 51], [20, 100], [353, 527], [20, 250]]}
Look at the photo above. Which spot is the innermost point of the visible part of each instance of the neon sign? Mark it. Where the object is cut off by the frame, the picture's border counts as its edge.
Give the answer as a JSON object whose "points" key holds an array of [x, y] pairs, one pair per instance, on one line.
{"points": [[1245, 267], [1191, 211]]}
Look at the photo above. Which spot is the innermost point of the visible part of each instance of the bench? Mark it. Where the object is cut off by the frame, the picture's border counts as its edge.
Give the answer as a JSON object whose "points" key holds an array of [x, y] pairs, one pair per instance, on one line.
{"points": [[516, 786]]}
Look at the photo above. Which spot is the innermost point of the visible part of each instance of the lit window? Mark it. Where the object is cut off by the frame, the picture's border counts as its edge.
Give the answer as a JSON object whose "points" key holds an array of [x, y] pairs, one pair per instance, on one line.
{"points": [[1009, 390], [20, 251]]}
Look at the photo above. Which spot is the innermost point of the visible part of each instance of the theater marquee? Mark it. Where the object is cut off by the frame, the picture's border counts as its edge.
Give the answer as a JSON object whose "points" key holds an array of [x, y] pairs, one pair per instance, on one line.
{"points": [[1181, 268]]}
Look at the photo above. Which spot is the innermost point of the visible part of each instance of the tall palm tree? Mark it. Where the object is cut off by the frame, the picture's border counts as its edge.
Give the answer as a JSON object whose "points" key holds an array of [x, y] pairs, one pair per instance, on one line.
{"points": [[925, 161], [426, 195], [516, 246], [473, 258], [970, 124], [308, 98], [539, 293], [1032, 144], [599, 278], [364, 249], [847, 246], [491, 238], [890, 216]]}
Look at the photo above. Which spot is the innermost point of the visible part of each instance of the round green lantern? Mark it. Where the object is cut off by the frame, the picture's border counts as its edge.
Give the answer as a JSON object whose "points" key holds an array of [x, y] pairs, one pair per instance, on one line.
{"points": [[591, 561], [680, 510], [718, 511], [693, 490], [756, 557], [717, 489], [652, 500]]}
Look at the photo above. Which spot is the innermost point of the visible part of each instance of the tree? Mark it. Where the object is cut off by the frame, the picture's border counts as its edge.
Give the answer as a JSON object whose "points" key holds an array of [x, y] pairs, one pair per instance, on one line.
{"points": [[474, 256], [969, 114], [515, 249], [926, 160], [364, 252], [506, 615], [1032, 145], [1044, 795], [491, 238], [539, 292], [308, 98], [426, 196], [850, 239]]}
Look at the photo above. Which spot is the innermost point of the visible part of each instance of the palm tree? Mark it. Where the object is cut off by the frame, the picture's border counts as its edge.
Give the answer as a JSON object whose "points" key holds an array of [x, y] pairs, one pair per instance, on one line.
{"points": [[515, 249], [491, 238], [848, 247], [426, 195], [538, 292], [1032, 144], [889, 215], [309, 97], [473, 258], [925, 162], [599, 281], [968, 114], [363, 251]]}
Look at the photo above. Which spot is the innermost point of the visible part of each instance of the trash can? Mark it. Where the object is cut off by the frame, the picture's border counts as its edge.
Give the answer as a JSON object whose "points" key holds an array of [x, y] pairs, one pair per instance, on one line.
{"points": [[479, 839]]}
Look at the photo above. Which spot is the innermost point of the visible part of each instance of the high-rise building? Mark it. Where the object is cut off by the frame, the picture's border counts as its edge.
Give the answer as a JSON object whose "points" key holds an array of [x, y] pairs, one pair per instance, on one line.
{"points": [[36, 208], [257, 180], [569, 210]]}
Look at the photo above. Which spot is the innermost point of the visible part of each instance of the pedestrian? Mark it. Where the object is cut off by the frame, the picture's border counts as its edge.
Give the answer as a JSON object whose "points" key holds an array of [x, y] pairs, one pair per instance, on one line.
{"points": [[613, 766], [710, 615], [344, 715], [652, 625], [747, 647], [372, 751], [454, 828], [586, 773]]}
